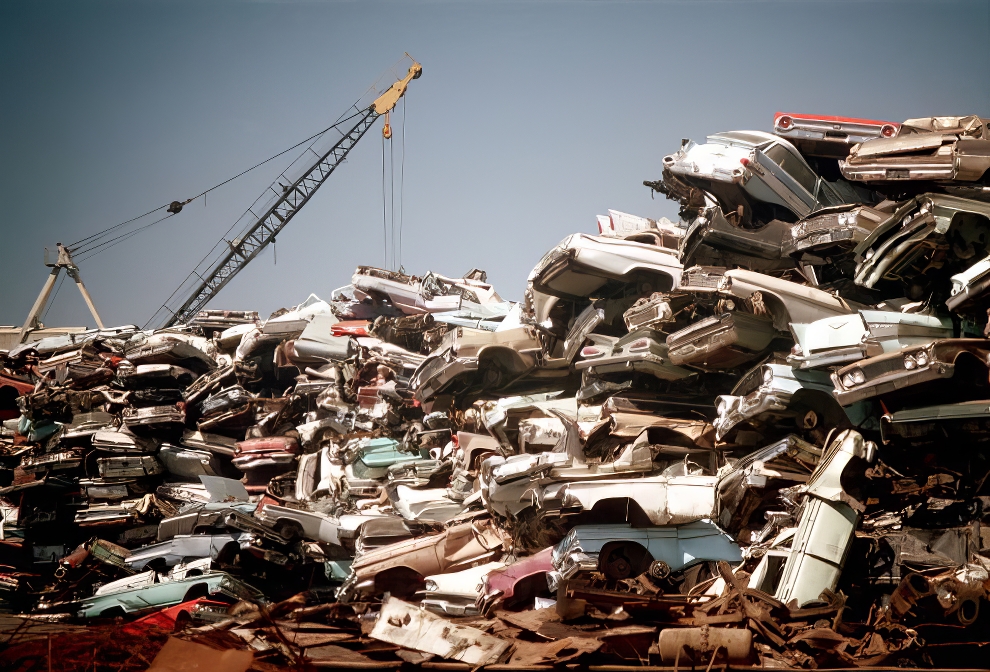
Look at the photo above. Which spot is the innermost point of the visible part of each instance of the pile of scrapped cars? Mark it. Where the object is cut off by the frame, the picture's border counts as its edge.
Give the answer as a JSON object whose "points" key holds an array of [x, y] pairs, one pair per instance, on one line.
{"points": [[759, 435]]}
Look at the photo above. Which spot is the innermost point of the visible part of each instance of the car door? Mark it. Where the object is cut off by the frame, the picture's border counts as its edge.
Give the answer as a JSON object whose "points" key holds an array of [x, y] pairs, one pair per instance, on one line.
{"points": [[790, 177]]}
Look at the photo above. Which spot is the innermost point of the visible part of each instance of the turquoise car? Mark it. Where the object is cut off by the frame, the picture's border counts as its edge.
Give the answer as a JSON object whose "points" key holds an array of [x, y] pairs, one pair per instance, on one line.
{"points": [[165, 593]]}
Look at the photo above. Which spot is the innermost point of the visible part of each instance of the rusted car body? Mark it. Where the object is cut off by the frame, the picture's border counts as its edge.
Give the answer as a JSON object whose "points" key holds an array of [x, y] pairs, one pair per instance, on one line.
{"points": [[934, 148], [964, 361], [402, 566]]}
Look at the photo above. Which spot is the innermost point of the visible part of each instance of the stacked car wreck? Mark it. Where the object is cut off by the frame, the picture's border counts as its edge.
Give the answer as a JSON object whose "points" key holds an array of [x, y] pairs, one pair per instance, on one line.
{"points": [[757, 435]]}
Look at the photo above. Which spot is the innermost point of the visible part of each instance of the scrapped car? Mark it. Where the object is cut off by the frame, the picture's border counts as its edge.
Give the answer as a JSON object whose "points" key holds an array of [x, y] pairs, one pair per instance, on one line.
{"points": [[294, 523], [166, 594], [781, 391], [723, 341], [931, 425], [173, 349], [927, 239], [194, 613], [713, 240], [498, 357], [751, 485], [205, 518], [623, 552], [456, 593], [583, 267], [661, 232], [188, 462], [827, 136], [368, 462], [400, 568], [180, 548], [826, 526], [849, 338], [969, 288], [783, 300], [744, 169], [961, 362], [152, 418], [136, 377], [933, 148], [129, 467], [835, 230], [123, 441], [674, 497], [644, 351], [423, 504], [431, 293], [517, 583]]}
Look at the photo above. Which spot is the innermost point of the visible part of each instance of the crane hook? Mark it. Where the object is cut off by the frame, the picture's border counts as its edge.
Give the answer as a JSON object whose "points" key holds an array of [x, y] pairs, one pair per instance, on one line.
{"points": [[387, 131]]}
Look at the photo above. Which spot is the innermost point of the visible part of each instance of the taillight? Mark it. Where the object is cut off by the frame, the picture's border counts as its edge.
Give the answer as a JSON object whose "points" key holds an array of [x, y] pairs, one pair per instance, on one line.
{"points": [[591, 351], [887, 131], [784, 123], [641, 344], [744, 161]]}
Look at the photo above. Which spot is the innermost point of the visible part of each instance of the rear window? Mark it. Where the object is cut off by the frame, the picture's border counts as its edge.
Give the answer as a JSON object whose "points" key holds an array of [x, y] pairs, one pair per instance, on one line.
{"points": [[794, 166]]}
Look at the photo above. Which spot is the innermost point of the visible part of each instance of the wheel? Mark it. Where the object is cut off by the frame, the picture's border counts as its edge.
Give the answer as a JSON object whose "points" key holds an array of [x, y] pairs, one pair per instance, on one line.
{"points": [[623, 561], [288, 530]]}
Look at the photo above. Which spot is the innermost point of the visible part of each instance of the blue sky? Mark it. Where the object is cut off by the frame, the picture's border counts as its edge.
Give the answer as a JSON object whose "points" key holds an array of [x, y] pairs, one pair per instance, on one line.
{"points": [[530, 119]]}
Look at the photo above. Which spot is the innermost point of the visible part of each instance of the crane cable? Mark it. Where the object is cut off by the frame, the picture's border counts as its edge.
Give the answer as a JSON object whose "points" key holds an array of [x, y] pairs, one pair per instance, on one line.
{"points": [[384, 214], [223, 239], [402, 178], [391, 171], [90, 243], [391, 239]]}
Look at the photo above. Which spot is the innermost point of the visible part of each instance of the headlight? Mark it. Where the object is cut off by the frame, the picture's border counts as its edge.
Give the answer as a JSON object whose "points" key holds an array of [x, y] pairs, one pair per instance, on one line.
{"points": [[910, 362], [767, 375], [720, 407], [921, 358], [853, 378], [432, 586]]}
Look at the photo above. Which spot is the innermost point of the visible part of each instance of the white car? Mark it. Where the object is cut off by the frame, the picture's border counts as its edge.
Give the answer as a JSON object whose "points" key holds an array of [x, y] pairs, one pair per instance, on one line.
{"points": [[583, 267], [764, 167]]}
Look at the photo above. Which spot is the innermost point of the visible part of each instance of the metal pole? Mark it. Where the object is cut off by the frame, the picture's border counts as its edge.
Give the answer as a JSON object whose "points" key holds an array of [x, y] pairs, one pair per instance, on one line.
{"points": [[74, 274], [39, 305]]}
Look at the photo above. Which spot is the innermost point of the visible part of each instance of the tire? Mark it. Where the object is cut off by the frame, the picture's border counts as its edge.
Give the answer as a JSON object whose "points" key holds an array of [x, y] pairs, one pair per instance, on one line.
{"points": [[623, 560], [289, 529]]}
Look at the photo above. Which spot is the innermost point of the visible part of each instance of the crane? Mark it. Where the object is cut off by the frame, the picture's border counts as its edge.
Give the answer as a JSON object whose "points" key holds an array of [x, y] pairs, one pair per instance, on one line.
{"points": [[62, 262], [263, 227]]}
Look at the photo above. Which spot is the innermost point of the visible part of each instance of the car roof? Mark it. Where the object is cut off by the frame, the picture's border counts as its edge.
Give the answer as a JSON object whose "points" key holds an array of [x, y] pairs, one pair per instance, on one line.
{"points": [[751, 138]]}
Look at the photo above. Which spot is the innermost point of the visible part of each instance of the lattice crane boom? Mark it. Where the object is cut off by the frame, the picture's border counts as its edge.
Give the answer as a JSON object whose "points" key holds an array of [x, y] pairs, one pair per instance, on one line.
{"points": [[281, 211]]}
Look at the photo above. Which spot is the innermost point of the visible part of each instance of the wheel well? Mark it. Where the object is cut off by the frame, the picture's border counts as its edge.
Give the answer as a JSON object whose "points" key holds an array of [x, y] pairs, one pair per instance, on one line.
{"points": [[113, 612], [195, 591], [288, 528], [158, 564], [503, 358], [228, 554], [636, 559], [822, 403], [400, 581], [182, 621]]}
